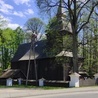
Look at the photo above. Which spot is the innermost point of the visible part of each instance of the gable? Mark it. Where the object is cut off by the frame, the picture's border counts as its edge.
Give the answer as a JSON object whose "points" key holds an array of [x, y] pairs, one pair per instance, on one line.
{"points": [[23, 51]]}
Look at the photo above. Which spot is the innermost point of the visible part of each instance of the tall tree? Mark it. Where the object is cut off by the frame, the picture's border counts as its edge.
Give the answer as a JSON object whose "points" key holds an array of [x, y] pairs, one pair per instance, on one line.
{"points": [[5, 47], [9, 41], [35, 25], [19, 36], [76, 11], [90, 47]]}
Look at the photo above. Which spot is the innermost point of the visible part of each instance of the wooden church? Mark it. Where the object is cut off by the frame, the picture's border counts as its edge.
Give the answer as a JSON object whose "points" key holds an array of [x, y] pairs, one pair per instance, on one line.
{"points": [[47, 64]]}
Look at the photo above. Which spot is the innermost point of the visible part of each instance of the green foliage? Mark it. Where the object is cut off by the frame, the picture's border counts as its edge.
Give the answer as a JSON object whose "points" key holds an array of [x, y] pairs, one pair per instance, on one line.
{"points": [[54, 39], [31, 86], [90, 49], [9, 42], [67, 43], [19, 37], [5, 45], [56, 42]]}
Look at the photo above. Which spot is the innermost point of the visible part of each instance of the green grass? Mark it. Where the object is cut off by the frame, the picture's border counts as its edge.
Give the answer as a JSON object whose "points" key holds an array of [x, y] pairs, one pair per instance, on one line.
{"points": [[49, 87], [34, 87]]}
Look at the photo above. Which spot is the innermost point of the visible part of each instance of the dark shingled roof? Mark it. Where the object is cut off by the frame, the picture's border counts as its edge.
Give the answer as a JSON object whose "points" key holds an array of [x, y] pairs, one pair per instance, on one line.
{"points": [[23, 51]]}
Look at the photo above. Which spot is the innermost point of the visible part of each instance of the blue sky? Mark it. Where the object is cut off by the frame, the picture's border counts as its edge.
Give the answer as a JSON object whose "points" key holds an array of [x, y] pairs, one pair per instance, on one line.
{"points": [[17, 12]]}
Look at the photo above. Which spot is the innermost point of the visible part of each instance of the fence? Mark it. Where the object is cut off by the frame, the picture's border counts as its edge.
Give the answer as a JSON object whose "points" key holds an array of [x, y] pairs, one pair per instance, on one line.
{"points": [[87, 82]]}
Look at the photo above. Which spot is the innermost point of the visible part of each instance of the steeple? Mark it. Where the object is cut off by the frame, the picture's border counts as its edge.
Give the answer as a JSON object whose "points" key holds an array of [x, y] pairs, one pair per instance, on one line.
{"points": [[64, 25], [60, 11]]}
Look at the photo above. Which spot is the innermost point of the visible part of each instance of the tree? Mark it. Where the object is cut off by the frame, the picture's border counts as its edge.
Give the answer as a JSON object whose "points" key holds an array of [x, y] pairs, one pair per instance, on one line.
{"points": [[35, 25], [3, 22], [9, 42], [19, 37], [90, 47], [5, 47], [76, 9], [55, 41]]}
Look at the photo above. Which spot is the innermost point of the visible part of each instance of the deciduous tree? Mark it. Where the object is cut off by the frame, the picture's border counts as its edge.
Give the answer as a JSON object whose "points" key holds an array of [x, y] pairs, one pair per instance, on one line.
{"points": [[76, 9]]}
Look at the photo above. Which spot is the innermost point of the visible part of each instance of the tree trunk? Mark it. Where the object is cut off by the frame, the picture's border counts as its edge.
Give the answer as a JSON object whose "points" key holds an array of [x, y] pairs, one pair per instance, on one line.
{"points": [[65, 71], [75, 41], [75, 51]]}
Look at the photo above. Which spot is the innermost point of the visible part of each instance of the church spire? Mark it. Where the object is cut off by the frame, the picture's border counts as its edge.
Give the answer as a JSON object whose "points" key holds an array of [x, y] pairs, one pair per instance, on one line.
{"points": [[60, 11], [64, 25]]}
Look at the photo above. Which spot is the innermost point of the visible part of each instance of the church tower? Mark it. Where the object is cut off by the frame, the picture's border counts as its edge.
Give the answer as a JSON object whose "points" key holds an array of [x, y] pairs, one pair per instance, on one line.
{"points": [[58, 29], [64, 25]]}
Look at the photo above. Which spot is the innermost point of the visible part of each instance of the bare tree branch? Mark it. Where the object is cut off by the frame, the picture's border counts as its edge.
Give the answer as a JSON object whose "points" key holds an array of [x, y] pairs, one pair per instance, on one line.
{"points": [[81, 8], [70, 11], [92, 9]]}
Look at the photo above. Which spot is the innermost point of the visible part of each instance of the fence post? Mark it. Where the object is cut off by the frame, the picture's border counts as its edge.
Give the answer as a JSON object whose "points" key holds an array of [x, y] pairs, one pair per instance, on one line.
{"points": [[9, 82], [96, 78], [74, 80]]}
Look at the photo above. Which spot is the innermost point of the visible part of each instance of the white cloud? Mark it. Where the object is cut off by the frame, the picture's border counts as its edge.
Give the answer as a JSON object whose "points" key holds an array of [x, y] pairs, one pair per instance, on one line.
{"points": [[7, 19], [13, 26], [23, 14], [22, 2], [20, 14], [9, 9], [29, 11], [5, 8], [9, 24]]}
